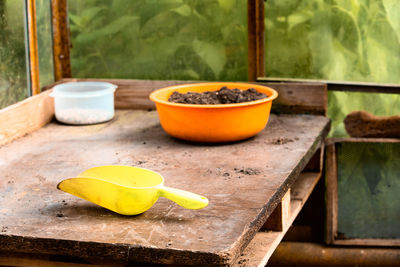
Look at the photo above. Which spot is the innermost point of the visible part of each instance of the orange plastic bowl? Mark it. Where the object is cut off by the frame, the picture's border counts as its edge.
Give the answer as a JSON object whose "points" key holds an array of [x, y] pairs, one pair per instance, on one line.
{"points": [[213, 123]]}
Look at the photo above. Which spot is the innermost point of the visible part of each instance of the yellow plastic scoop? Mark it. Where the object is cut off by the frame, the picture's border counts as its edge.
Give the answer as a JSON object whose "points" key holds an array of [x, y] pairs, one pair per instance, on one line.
{"points": [[127, 190]]}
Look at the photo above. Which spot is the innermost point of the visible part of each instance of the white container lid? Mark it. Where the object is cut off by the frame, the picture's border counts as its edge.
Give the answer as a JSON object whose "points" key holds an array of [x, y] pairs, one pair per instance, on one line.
{"points": [[82, 89]]}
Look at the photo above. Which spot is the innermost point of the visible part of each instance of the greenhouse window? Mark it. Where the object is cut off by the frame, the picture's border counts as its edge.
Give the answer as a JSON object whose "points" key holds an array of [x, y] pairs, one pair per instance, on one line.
{"points": [[26, 63]]}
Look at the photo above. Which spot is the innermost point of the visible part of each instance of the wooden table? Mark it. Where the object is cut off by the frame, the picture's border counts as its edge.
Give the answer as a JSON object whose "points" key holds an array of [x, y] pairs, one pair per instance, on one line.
{"points": [[244, 182]]}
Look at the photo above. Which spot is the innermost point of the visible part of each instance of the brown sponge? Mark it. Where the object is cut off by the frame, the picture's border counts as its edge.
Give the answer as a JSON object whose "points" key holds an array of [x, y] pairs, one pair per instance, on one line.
{"points": [[364, 124]]}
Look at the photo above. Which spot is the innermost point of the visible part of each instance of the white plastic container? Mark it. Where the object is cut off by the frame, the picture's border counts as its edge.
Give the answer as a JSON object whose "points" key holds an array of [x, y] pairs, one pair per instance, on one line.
{"points": [[84, 102]]}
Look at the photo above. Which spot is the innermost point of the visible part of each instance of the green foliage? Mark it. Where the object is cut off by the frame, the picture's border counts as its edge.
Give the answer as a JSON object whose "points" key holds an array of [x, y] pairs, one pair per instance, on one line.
{"points": [[334, 40], [348, 40], [13, 80], [169, 39]]}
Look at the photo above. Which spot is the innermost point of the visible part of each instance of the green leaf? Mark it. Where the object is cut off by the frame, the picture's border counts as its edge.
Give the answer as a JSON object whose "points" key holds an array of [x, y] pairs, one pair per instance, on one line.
{"points": [[163, 25], [77, 20], [191, 73], [212, 53], [183, 10], [227, 4], [282, 7], [107, 31], [119, 24], [377, 54], [89, 13], [392, 8], [345, 28], [298, 18]]}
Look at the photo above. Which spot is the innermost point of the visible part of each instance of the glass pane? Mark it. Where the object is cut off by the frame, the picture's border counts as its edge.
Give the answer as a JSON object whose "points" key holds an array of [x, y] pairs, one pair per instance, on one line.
{"points": [[159, 39], [368, 190], [45, 49], [348, 40], [13, 74]]}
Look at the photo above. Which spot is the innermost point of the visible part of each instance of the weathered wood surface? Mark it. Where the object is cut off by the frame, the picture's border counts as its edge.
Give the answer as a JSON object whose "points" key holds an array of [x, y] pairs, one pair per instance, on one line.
{"points": [[243, 181], [61, 40], [255, 39], [44, 261], [390, 88], [330, 141], [25, 117], [331, 194], [279, 218], [310, 98], [33, 47], [262, 246]]}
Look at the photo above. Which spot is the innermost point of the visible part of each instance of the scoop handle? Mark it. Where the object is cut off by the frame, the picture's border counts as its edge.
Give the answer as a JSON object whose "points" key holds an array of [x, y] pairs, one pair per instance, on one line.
{"points": [[184, 198]]}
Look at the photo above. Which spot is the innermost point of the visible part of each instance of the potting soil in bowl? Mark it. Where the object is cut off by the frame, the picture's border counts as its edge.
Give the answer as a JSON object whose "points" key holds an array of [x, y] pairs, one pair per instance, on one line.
{"points": [[222, 96]]}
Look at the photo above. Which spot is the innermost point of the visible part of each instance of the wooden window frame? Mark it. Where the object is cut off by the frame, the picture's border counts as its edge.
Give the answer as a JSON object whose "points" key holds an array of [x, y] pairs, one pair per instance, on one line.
{"points": [[33, 57], [256, 51], [60, 38], [331, 196]]}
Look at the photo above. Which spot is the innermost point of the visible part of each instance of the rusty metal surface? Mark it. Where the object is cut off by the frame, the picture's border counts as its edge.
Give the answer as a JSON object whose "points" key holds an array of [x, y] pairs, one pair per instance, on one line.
{"points": [[243, 181]]}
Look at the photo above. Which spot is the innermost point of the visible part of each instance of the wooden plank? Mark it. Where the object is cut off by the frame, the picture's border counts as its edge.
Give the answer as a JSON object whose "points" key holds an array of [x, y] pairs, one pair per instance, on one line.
{"points": [[391, 88], [331, 194], [131, 94], [255, 33], [304, 187], [261, 248], [330, 141], [42, 262], [279, 218], [33, 47], [292, 99], [368, 242], [61, 41], [331, 232], [317, 161], [25, 117], [37, 218]]}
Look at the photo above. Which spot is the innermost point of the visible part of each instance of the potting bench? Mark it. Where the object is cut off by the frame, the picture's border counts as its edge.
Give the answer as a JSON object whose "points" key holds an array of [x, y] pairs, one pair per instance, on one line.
{"points": [[256, 187]]}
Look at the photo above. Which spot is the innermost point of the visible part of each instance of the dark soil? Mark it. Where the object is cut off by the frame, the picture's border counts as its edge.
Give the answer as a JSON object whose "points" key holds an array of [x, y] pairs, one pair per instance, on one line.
{"points": [[281, 141], [222, 96], [248, 171]]}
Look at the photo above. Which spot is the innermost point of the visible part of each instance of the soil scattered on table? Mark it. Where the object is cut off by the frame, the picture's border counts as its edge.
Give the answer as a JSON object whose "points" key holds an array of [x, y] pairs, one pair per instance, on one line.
{"points": [[281, 141], [222, 96], [169, 244], [248, 171], [243, 262]]}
